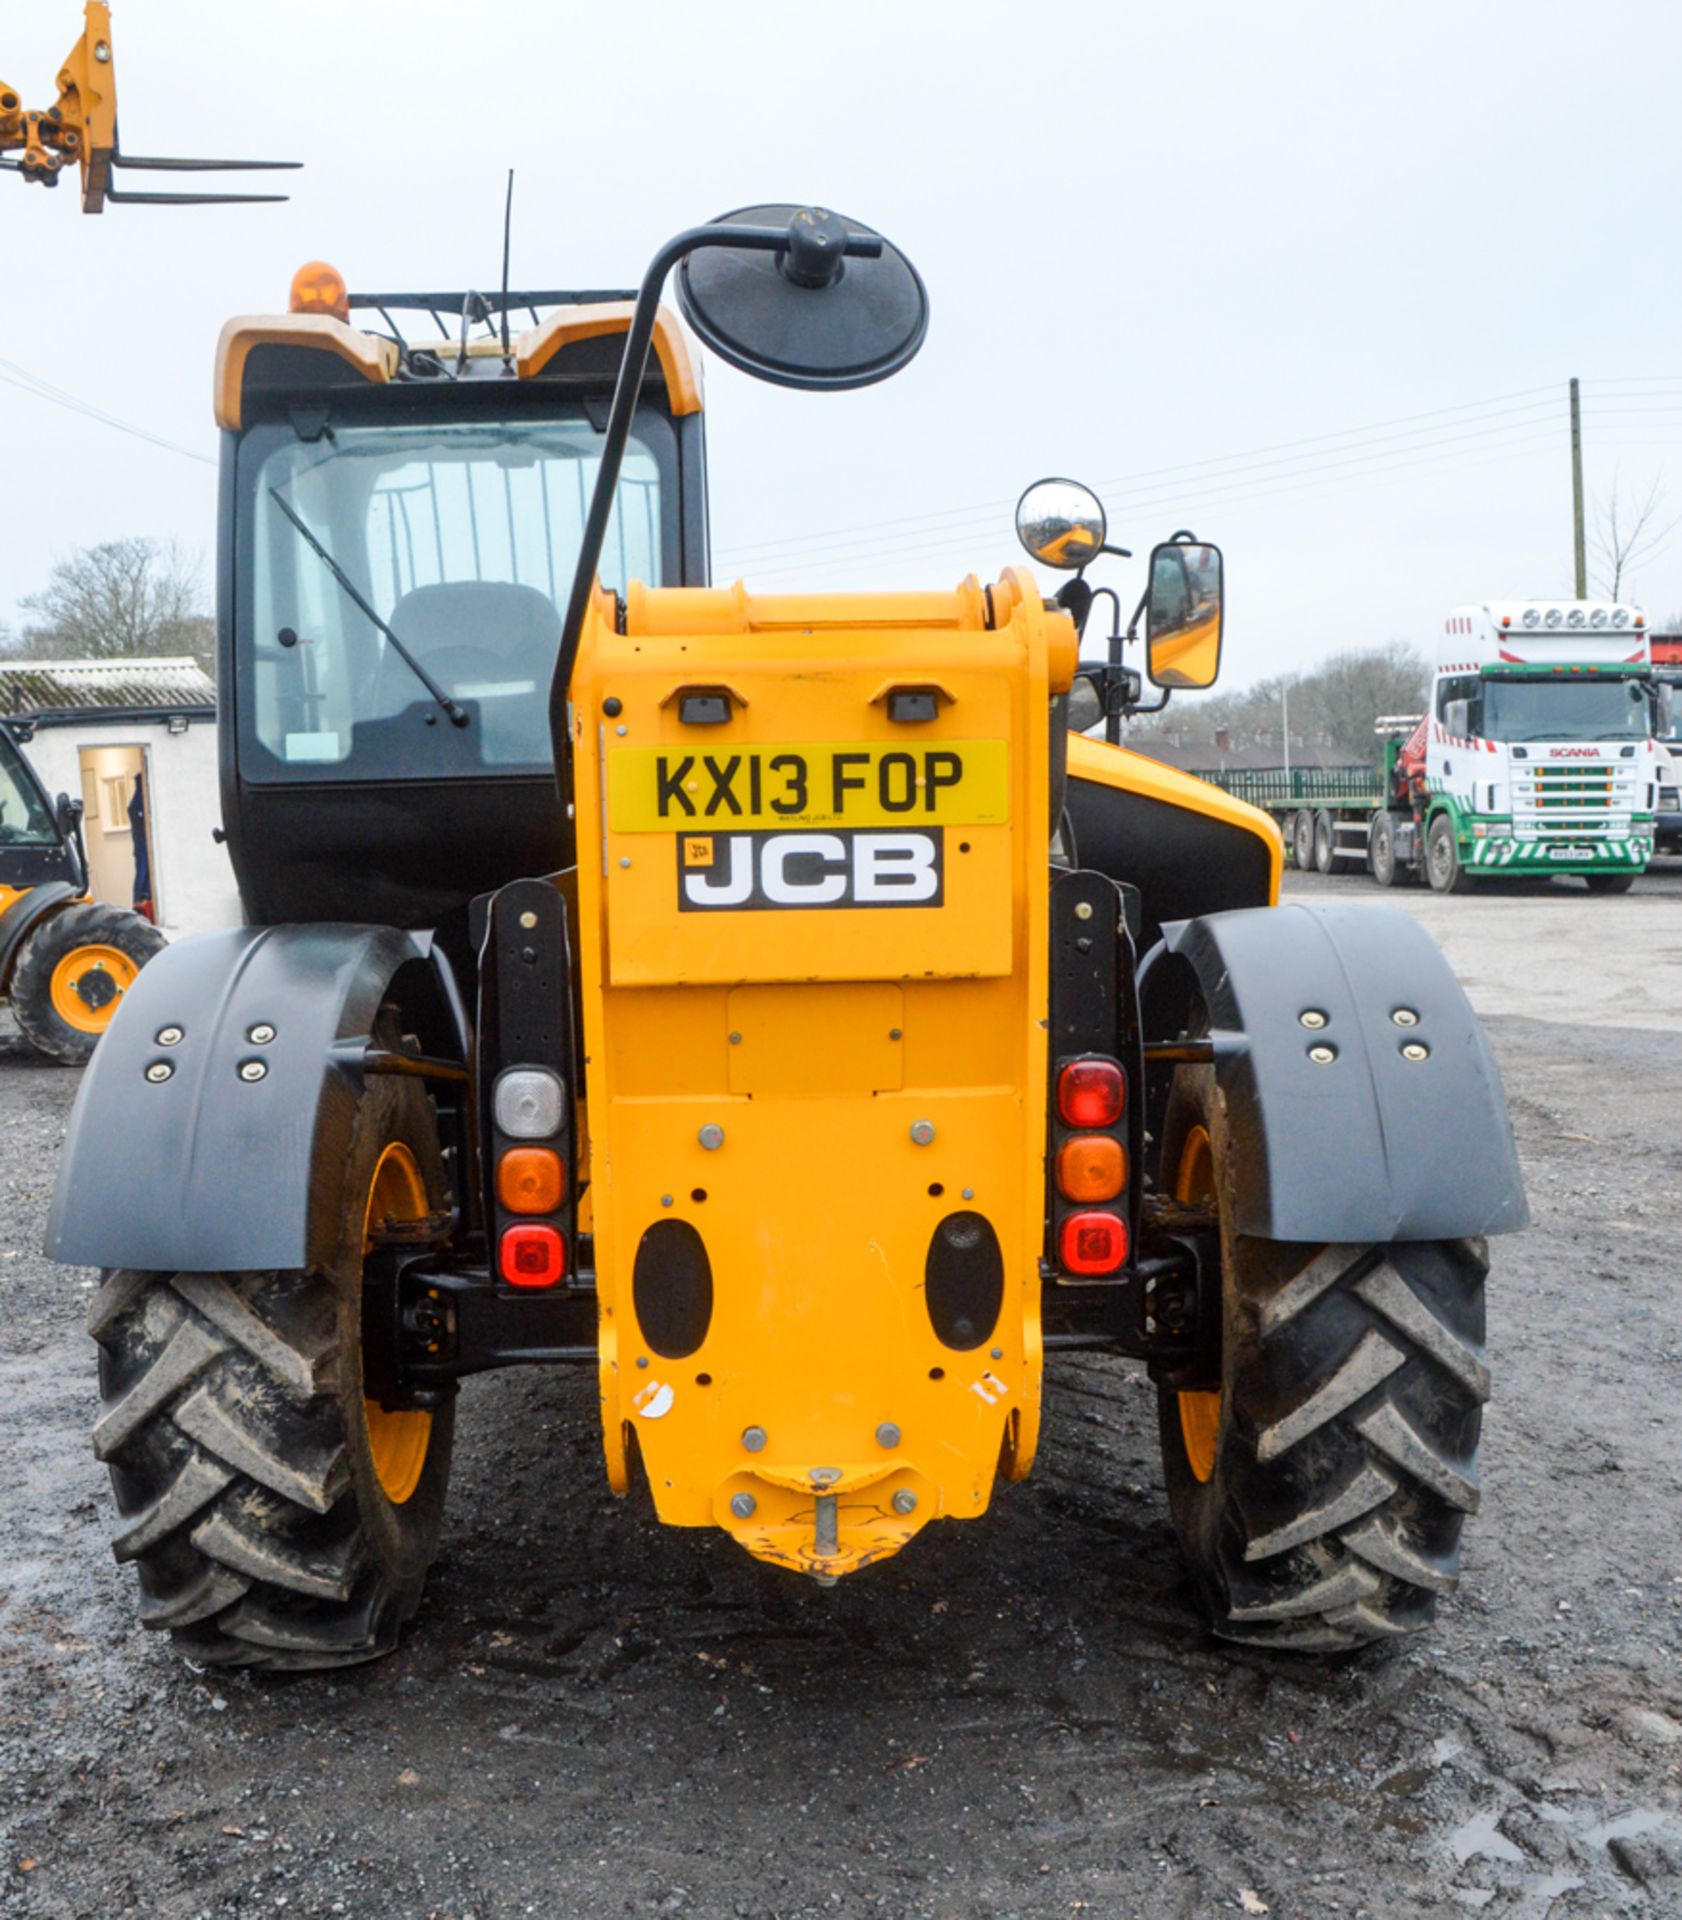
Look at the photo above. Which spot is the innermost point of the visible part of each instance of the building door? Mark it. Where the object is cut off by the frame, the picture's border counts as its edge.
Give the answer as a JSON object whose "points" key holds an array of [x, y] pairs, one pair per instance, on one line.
{"points": [[117, 824]]}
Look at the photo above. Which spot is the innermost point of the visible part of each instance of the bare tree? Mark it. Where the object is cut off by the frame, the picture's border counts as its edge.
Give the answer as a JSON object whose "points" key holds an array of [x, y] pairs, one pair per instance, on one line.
{"points": [[120, 600], [1626, 532]]}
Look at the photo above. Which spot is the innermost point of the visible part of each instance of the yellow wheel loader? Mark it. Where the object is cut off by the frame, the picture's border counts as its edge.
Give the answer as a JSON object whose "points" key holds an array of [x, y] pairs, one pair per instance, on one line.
{"points": [[66, 962], [766, 1001]]}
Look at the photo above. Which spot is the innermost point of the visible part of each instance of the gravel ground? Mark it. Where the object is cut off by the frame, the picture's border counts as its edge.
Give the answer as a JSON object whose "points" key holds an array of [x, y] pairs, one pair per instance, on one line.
{"points": [[1020, 1716]]}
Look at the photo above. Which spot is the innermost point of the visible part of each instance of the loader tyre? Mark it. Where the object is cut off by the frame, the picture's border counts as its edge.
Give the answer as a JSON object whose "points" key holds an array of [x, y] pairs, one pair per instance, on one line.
{"points": [[1319, 1494], [73, 973], [277, 1519]]}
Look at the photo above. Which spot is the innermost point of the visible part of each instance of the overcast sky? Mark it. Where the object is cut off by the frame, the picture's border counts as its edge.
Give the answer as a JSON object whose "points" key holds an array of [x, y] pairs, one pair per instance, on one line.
{"points": [[1310, 279]]}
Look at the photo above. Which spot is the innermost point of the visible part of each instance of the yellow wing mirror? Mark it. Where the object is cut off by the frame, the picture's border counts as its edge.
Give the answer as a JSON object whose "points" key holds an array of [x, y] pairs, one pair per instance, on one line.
{"points": [[1183, 615], [1061, 523]]}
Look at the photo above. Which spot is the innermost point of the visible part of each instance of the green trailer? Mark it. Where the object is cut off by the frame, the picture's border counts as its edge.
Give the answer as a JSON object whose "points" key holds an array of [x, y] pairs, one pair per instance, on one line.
{"points": [[1323, 812]]}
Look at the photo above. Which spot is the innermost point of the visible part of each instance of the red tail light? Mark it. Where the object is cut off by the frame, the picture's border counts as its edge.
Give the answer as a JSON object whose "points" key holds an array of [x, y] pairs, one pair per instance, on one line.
{"points": [[1091, 1093], [532, 1256], [1092, 1243]]}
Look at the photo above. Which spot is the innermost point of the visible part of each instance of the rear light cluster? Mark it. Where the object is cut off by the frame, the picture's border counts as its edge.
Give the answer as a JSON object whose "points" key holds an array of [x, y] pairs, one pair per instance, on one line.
{"points": [[530, 1115], [1089, 1167]]}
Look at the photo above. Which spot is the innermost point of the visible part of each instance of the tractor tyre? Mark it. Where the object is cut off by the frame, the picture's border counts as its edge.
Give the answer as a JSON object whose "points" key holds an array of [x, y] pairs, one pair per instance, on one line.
{"points": [[72, 974], [1443, 866], [1325, 842], [278, 1519], [1608, 882], [1319, 1494], [1302, 840]]}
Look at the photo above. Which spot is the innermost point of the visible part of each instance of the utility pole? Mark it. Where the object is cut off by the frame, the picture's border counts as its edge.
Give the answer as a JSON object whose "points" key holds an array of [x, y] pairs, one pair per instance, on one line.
{"points": [[1285, 730], [1577, 546]]}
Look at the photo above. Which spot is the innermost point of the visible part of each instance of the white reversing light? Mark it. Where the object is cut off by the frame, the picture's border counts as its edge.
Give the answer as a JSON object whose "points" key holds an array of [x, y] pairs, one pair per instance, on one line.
{"points": [[1531, 617], [1553, 617], [529, 1103]]}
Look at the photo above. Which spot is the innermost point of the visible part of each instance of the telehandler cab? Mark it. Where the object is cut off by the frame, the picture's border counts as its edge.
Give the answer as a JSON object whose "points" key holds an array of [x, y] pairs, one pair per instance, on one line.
{"points": [[765, 1000], [66, 961]]}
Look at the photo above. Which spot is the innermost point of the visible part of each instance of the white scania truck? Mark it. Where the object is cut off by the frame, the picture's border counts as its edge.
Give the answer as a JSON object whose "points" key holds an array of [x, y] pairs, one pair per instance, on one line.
{"points": [[1538, 754]]}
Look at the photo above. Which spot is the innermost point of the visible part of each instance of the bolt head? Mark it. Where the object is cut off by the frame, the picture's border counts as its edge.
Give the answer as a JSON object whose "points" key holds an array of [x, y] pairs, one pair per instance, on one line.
{"points": [[735, 1039], [253, 1070], [1312, 1018], [1416, 1050], [905, 1501], [998, 1353], [528, 920], [642, 1359], [1322, 1056], [261, 1034], [625, 861], [887, 1434], [753, 1439], [1405, 1017], [711, 1137], [159, 1071], [170, 1036], [969, 1193], [922, 1133], [1083, 909], [742, 1505]]}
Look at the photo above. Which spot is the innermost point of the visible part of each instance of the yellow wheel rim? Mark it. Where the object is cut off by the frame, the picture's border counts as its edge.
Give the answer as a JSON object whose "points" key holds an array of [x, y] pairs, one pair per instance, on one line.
{"points": [[88, 985], [1200, 1413], [397, 1437]]}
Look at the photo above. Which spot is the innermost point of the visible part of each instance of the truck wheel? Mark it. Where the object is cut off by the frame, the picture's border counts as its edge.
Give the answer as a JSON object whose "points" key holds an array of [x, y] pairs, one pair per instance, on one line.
{"points": [[72, 974], [1608, 882], [278, 1519], [1319, 1494], [1386, 869], [1443, 865], [1325, 842], [1302, 839]]}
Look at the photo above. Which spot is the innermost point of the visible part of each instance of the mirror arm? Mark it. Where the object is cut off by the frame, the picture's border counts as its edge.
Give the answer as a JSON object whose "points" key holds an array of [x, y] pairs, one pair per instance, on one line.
{"points": [[627, 391]]}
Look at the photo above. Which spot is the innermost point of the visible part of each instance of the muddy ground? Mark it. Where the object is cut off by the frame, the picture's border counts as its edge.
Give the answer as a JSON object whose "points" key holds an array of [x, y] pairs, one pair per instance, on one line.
{"points": [[1019, 1716]]}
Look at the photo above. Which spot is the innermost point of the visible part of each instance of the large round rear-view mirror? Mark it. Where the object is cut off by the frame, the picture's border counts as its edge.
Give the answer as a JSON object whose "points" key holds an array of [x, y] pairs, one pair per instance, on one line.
{"points": [[1061, 523], [812, 314]]}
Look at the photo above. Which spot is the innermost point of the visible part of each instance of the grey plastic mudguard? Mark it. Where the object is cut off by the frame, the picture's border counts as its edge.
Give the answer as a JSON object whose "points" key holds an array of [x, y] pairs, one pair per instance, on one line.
{"points": [[1373, 1146], [208, 1171]]}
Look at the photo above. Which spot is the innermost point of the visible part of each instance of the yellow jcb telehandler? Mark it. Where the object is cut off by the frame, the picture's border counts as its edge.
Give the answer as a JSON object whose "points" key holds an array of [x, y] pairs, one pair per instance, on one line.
{"points": [[66, 961], [767, 1001]]}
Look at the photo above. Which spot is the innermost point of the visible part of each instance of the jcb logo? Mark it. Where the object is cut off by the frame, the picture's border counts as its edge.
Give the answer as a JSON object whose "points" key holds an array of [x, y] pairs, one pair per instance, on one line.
{"points": [[748, 872]]}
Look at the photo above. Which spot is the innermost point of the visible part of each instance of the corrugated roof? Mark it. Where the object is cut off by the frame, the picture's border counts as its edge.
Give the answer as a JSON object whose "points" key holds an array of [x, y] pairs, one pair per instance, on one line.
{"points": [[169, 683]]}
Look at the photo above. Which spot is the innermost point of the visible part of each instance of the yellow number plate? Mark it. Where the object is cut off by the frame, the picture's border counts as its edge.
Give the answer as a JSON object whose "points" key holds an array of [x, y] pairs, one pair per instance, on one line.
{"points": [[947, 783]]}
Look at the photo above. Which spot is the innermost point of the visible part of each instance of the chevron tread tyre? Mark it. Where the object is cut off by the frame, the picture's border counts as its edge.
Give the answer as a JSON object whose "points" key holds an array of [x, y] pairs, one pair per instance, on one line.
{"points": [[1352, 1388], [61, 1011], [235, 1432]]}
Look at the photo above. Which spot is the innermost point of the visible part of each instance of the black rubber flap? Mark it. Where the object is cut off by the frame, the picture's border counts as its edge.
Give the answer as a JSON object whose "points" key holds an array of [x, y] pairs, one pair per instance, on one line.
{"points": [[761, 312]]}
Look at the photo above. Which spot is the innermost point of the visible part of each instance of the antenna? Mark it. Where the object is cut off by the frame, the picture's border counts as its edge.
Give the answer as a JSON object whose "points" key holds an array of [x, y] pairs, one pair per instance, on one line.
{"points": [[507, 236]]}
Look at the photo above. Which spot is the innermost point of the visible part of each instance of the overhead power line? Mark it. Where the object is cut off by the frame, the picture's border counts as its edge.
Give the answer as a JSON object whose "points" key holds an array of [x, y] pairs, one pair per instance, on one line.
{"points": [[26, 382]]}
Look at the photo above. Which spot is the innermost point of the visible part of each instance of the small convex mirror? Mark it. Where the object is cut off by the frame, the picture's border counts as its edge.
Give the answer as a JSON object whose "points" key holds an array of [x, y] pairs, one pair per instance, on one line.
{"points": [[1183, 615], [1061, 523]]}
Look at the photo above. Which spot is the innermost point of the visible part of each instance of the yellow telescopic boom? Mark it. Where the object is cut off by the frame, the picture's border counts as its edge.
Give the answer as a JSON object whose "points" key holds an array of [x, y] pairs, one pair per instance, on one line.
{"points": [[81, 126]]}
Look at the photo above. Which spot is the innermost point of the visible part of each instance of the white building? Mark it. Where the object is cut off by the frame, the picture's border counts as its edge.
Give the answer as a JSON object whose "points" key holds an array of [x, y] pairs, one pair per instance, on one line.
{"points": [[100, 728]]}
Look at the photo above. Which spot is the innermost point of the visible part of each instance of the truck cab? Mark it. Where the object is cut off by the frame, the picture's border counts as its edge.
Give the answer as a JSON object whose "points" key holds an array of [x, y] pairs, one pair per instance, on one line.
{"points": [[1540, 748]]}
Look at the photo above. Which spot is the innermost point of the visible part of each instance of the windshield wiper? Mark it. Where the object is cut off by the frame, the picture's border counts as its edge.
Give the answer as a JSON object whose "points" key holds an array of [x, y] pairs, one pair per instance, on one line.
{"points": [[458, 715]]}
